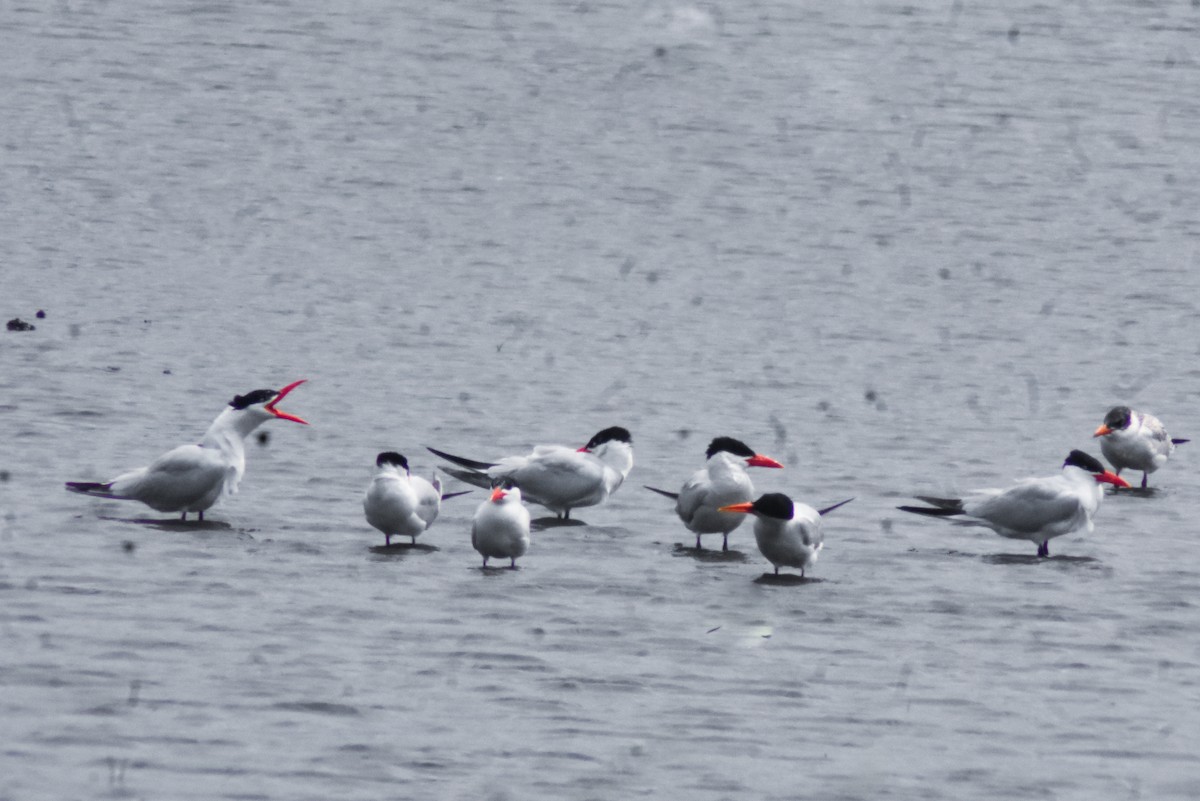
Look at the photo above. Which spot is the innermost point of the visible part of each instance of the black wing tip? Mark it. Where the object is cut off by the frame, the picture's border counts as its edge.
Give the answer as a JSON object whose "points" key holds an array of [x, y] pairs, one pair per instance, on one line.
{"points": [[929, 511], [448, 495], [954, 504], [1178, 441], [89, 487], [672, 495], [460, 460], [828, 509], [472, 477]]}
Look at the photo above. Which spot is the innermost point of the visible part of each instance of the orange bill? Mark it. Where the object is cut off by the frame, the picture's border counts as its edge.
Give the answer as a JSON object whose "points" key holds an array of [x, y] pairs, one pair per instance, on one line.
{"points": [[270, 407]]}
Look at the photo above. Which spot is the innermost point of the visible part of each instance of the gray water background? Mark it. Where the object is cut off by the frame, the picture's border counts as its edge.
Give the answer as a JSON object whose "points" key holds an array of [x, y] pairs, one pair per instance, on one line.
{"points": [[904, 248]]}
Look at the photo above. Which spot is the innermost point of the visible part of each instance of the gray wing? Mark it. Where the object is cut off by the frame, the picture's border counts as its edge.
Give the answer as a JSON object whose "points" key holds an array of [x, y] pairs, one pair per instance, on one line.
{"points": [[1030, 507]]}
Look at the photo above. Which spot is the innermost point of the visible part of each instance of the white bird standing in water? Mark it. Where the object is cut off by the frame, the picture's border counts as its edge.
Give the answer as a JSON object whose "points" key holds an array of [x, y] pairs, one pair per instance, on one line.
{"points": [[557, 477], [500, 528], [1136, 440], [397, 502], [191, 478], [1034, 509], [721, 482], [789, 534]]}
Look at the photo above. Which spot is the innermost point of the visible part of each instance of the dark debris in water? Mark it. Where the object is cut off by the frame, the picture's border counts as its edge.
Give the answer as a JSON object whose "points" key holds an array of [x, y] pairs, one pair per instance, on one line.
{"points": [[17, 324]]}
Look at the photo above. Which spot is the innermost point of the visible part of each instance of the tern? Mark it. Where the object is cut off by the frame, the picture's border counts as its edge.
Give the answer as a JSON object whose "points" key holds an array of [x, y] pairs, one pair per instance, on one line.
{"points": [[1136, 440], [555, 476], [500, 528], [721, 482], [1035, 509], [399, 503], [191, 478], [788, 533]]}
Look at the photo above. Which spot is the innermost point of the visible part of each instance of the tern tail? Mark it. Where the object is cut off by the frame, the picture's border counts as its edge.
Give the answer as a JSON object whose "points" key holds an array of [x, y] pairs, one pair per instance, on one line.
{"points": [[672, 495], [1176, 441]]}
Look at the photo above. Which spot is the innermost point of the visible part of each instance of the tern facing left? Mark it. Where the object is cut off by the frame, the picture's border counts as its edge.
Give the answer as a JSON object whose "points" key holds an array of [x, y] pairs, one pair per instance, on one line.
{"points": [[191, 478], [1035, 509], [397, 502], [721, 482], [500, 527], [1136, 440], [789, 534], [555, 476]]}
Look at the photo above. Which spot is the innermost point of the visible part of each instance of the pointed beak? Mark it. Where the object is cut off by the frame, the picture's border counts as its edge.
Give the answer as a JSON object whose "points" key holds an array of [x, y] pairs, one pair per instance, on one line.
{"points": [[1102, 430], [497, 495], [584, 449], [758, 460], [1111, 478], [746, 507], [270, 407]]}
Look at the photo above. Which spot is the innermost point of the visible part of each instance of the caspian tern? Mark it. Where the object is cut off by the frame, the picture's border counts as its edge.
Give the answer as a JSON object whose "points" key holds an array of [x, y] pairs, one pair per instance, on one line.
{"points": [[191, 478], [500, 528], [397, 502], [1136, 440], [1035, 509], [722, 481], [788, 533], [554, 476]]}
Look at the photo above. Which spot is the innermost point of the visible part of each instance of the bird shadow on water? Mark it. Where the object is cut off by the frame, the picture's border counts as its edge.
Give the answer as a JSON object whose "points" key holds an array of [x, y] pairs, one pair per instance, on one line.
{"points": [[786, 580], [491, 571], [543, 523], [174, 523], [1137, 492], [1033, 559], [401, 549], [707, 554]]}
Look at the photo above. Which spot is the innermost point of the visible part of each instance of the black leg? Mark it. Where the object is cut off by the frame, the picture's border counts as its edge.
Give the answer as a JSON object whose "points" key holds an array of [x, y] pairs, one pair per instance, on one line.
{"points": [[512, 563], [183, 515], [567, 515], [387, 540], [414, 539], [201, 513], [697, 542], [725, 542], [485, 561], [1144, 477], [777, 570]]}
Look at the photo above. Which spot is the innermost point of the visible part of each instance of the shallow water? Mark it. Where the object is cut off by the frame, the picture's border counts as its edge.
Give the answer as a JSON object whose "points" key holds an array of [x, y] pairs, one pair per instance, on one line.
{"points": [[903, 249]]}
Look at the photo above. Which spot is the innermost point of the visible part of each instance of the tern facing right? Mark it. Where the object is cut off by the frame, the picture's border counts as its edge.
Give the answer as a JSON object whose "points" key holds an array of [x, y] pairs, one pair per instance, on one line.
{"points": [[398, 502], [721, 482], [191, 478], [788, 533], [500, 528], [1036, 509], [1136, 440]]}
